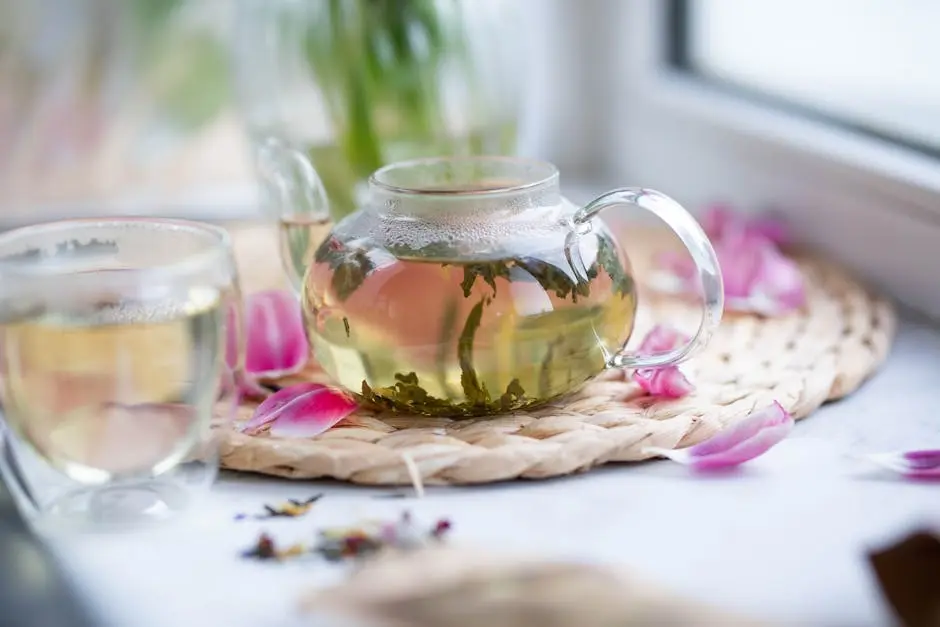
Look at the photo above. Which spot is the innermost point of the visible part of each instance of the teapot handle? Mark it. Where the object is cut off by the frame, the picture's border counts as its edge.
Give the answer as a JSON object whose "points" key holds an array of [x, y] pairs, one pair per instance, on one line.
{"points": [[695, 240], [299, 198]]}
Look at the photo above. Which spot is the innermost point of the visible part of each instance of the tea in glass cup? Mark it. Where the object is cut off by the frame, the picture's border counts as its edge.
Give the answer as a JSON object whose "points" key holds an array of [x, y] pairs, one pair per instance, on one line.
{"points": [[112, 358]]}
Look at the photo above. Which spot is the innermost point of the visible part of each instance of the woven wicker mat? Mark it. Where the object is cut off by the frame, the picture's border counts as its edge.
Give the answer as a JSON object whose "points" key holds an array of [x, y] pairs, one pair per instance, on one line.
{"points": [[801, 360]]}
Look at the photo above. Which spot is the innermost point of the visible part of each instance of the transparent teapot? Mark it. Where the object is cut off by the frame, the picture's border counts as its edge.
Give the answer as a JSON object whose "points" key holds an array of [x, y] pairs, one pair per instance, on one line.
{"points": [[469, 286]]}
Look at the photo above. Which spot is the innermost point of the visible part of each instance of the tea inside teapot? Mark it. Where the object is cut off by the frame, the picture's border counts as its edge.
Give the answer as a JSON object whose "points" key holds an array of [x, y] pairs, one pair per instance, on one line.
{"points": [[466, 303]]}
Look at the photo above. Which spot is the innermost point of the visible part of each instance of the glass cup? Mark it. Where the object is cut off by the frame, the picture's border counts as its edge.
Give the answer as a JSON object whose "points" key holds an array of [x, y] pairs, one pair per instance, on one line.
{"points": [[113, 366]]}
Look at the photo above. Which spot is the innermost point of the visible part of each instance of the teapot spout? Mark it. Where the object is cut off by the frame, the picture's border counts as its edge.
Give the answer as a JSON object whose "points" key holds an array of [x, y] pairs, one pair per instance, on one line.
{"points": [[295, 194]]}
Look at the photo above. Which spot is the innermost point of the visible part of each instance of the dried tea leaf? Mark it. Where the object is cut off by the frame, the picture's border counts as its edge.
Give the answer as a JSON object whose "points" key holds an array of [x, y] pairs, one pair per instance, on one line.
{"points": [[292, 508]]}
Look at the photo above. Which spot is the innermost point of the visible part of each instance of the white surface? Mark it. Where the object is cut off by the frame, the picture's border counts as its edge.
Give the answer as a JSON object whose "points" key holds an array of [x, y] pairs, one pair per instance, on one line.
{"points": [[783, 540]]}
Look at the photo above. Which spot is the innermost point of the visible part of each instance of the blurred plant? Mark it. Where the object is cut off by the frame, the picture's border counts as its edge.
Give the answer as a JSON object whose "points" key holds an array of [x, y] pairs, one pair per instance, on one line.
{"points": [[86, 83], [184, 63], [398, 79]]}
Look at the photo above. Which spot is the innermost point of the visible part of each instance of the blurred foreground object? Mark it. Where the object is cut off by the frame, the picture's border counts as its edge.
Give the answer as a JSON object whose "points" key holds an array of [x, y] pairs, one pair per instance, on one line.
{"points": [[448, 587], [357, 84], [107, 104], [909, 574]]}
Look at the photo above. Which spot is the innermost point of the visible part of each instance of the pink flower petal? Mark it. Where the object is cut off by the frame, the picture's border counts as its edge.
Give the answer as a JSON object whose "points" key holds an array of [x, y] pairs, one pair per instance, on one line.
{"points": [[275, 343], [757, 277], [779, 280], [668, 381], [270, 408], [748, 439], [661, 338], [716, 218], [739, 257], [918, 464], [312, 414], [300, 411], [720, 219], [771, 229]]}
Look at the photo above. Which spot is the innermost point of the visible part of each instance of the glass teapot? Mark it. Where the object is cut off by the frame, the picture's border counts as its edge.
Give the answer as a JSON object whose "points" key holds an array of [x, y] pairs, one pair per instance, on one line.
{"points": [[469, 286]]}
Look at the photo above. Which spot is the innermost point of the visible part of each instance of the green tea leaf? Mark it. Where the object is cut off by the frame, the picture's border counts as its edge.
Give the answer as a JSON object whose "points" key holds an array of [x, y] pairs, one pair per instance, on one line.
{"points": [[349, 275], [349, 267], [487, 271], [513, 396], [608, 259], [475, 393], [554, 279]]}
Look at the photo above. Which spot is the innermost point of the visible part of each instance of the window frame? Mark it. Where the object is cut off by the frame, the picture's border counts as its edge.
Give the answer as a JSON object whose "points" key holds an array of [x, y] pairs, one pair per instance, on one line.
{"points": [[871, 203]]}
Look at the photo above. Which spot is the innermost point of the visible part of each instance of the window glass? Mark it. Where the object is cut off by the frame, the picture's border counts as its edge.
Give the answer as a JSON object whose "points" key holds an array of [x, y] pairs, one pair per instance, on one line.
{"points": [[868, 64]]}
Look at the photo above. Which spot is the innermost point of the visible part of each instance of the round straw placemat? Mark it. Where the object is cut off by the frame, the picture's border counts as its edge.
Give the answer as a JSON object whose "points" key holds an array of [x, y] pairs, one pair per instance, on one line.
{"points": [[801, 360]]}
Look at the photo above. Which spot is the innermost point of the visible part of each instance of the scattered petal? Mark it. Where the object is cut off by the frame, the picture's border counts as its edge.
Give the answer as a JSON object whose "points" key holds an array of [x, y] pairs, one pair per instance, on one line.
{"points": [[919, 464], [720, 219], [275, 343], [779, 280], [748, 439], [757, 277], [662, 338], [668, 381], [268, 411], [304, 410]]}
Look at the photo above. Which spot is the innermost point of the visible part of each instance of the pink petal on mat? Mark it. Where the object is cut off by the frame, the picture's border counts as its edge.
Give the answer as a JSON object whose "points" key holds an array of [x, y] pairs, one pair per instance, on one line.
{"points": [[661, 338], [275, 343], [716, 218], [748, 439], [918, 464], [668, 381], [720, 219], [757, 277], [780, 281], [300, 411]]}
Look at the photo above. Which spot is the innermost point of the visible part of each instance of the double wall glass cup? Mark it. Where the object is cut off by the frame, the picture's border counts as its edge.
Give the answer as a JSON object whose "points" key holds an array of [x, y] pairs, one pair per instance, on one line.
{"points": [[113, 367]]}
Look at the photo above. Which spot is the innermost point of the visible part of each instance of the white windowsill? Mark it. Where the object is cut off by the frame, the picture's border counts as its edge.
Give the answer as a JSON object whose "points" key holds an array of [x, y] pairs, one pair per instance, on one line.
{"points": [[894, 169], [801, 516]]}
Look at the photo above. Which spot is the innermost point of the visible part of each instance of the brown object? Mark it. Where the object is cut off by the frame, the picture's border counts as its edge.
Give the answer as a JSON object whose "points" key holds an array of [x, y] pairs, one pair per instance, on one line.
{"points": [[449, 587], [909, 575], [800, 360]]}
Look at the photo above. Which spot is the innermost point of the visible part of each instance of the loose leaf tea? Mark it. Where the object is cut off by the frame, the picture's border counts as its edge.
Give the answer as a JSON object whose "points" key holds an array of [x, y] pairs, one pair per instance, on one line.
{"points": [[292, 508], [265, 549], [338, 544], [440, 335]]}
